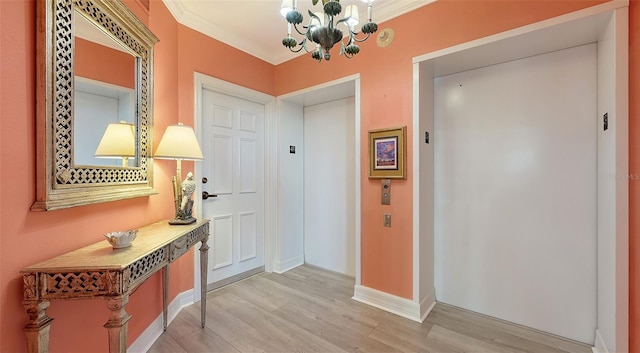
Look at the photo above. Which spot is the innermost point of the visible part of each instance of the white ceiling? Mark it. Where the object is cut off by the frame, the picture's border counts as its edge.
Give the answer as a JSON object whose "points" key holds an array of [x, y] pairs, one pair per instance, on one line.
{"points": [[256, 26]]}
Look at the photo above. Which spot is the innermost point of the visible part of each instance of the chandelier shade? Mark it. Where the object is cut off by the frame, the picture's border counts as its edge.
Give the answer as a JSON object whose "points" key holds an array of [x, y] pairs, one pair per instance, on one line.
{"points": [[322, 29]]}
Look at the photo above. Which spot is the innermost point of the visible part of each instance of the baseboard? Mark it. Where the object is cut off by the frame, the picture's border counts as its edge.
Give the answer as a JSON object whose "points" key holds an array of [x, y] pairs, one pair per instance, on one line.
{"points": [[599, 346], [427, 304], [284, 266], [388, 302], [233, 279], [151, 334]]}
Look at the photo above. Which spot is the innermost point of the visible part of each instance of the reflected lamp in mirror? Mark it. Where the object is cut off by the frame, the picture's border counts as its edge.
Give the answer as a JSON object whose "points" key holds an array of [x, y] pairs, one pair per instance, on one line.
{"points": [[118, 141], [179, 142]]}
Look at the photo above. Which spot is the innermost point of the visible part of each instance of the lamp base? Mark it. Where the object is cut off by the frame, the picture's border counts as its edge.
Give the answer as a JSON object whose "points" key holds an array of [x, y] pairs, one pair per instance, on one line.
{"points": [[182, 221]]}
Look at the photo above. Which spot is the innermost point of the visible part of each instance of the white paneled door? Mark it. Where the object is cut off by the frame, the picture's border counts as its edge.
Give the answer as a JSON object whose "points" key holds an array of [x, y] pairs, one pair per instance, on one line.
{"points": [[233, 148]]}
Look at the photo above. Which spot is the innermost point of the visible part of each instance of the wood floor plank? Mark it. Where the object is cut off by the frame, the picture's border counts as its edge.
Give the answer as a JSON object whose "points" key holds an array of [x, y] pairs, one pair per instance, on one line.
{"points": [[238, 333], [513, 329], [308, 309], [313, 276], [274, 325], [407, 341], [183, 325], [166, 344], [347, 338], [205, 340], [257, 292], [488, 332], [322, 302]]}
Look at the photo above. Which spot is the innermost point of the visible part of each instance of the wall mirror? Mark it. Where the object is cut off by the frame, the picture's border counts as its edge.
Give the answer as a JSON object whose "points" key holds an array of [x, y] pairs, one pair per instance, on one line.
{"points": [[95, 72]]}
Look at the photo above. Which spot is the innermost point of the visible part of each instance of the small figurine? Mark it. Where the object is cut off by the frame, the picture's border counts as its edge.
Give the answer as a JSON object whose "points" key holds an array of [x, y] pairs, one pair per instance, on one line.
{"points": [[188, 188], [184, 213]]}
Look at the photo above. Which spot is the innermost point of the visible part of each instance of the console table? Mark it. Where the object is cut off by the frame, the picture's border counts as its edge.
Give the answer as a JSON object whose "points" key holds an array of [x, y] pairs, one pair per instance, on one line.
{"points": [[99, 271]]}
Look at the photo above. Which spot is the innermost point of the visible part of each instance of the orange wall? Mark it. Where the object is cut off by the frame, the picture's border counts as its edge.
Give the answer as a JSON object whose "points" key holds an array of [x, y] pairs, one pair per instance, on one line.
{"points": [[386, 93], [101, 63], [28, 237]]}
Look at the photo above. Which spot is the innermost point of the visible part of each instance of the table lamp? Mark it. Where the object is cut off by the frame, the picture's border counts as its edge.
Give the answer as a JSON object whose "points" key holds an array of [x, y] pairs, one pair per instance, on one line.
{"points": [[179, 142], [118, 141]]}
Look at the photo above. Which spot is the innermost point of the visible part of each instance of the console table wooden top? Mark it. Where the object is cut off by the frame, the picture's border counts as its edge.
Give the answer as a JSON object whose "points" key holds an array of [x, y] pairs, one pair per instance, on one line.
{"points": [[101, 256]]}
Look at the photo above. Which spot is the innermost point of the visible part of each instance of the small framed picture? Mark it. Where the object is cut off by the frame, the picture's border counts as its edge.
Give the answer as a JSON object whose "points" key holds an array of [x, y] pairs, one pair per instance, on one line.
{"points": [[387, 153]]}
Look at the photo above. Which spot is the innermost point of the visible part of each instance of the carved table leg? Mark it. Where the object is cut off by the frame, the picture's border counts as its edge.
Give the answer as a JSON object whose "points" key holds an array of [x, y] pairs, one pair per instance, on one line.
{"points": [[38, 326], [165, 296], [204, 262], [117, 324]]}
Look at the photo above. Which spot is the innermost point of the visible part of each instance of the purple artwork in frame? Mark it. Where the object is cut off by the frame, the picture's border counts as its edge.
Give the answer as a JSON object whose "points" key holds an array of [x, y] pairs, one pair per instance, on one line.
{"points": [[386, 150], [387, 153]]}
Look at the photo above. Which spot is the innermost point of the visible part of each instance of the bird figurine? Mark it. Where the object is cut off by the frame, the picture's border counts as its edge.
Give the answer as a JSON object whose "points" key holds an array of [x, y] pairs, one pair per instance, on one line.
{"points": [[188, 188], [184, 212]]}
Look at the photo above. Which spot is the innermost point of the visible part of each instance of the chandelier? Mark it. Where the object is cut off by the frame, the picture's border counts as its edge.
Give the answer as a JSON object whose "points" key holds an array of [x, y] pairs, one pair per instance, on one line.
{"points": [[322, 30]]}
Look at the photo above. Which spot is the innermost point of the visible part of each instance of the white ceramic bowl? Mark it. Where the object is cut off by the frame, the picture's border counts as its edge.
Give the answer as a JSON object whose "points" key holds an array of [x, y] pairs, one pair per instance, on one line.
{"points": [[121, 239]]}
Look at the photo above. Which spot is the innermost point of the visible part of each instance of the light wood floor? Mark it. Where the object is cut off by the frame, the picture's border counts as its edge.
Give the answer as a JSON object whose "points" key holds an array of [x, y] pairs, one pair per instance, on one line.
{"points": [[310, 310]]}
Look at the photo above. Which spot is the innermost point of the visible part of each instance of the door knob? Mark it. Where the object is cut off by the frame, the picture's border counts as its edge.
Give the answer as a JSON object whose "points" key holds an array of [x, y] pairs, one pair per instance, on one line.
{"points": [[205, 195]]}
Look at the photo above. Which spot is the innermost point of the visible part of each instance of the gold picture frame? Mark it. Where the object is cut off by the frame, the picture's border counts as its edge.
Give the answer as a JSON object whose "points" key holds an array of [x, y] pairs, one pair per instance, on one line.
{"points": [[387, 153]]}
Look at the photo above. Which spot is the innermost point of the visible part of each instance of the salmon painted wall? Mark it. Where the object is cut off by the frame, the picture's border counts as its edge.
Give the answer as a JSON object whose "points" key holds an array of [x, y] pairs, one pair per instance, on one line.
{"points": [[386, 76], [386, 96], [101, 63]]}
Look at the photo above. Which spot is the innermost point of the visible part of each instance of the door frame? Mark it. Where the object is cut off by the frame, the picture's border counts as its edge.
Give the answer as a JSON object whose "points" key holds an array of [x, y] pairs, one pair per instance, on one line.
{"points": [[202, 81], [606, 24], [355, 78]]}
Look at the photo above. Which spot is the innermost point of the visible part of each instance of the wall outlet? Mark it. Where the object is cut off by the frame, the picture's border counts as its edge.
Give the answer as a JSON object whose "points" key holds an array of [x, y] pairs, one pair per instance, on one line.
{"points": [[387, 219]]}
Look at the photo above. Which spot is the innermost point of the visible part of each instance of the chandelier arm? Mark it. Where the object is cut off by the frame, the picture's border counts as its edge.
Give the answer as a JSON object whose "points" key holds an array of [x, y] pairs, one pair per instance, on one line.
{"points": [[300, 46], [343, 21], [298, 50], [303, 45], [360, 40], [301, 33]]}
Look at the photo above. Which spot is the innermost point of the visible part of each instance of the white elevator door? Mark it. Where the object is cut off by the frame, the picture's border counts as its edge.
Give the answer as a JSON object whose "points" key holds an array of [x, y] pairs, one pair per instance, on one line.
{"points": [[515, 178], [233, 149], [329, 186]]}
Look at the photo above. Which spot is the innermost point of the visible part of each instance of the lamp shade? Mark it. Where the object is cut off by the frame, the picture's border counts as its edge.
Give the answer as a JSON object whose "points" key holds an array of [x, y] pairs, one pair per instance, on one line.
{"points": [[287, 5], [179, 142], [118, 141], [352, 14]]}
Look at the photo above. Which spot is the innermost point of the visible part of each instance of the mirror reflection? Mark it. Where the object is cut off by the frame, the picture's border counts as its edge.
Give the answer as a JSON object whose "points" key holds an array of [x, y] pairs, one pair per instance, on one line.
{"points": [[104, 98]]}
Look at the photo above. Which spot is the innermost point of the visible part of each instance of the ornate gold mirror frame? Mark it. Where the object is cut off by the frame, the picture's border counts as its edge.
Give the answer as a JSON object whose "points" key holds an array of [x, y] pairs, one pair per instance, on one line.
{"points": [[61, 183]]}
